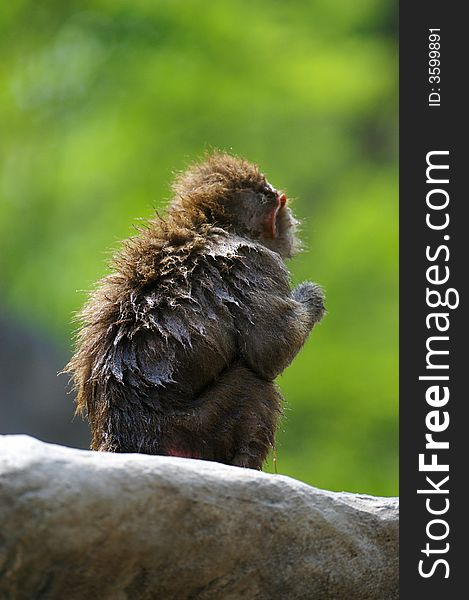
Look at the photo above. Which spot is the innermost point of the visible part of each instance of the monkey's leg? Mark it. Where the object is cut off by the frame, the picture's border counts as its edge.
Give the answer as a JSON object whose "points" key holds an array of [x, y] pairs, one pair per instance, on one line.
{"points": [[235, 419]]}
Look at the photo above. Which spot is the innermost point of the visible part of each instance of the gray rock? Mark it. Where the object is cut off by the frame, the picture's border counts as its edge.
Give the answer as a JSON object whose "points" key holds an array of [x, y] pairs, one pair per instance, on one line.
{"points": [[83, 525]]}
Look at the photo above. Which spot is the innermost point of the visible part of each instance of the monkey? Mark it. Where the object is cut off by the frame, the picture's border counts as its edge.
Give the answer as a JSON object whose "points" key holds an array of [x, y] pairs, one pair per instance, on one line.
{"points": [[178, 348]]}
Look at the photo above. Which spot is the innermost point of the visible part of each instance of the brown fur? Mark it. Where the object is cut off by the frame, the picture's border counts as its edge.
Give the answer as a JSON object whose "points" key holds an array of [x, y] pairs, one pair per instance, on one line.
{"points": [[179, 347]]}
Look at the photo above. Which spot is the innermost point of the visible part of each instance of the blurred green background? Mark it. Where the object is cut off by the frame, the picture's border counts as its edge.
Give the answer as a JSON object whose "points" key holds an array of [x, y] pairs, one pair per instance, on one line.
{"points": [[101, 100]]}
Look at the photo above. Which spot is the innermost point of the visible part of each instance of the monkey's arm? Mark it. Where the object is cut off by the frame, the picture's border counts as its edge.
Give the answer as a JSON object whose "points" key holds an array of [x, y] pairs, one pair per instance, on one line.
{"points": [[279, 327], [274, 321]]}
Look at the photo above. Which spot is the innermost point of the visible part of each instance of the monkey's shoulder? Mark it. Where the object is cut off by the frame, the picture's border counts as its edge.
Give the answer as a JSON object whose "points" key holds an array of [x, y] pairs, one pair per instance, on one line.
{"points": [[202, 258], [245, 254]]}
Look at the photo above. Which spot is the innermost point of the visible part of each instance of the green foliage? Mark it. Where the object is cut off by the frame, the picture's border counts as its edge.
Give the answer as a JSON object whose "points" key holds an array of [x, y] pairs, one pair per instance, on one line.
{"points": [[101, 100]]}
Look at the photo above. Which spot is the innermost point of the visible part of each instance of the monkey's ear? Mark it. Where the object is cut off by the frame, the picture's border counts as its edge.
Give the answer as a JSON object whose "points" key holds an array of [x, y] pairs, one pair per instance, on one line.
{"points": [[270, 220]]}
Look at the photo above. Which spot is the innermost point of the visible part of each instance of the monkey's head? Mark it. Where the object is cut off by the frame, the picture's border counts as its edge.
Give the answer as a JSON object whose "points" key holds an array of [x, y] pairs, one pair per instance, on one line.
{"points": [[233, 194]]}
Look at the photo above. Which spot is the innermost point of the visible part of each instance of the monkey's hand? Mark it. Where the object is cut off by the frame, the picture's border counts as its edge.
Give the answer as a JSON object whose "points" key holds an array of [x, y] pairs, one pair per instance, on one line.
{"points": [[311, 296]]}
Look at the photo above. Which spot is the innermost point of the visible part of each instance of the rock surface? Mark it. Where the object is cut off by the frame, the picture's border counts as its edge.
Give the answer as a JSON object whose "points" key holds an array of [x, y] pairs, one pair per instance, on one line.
{"points": [[83, 525]]}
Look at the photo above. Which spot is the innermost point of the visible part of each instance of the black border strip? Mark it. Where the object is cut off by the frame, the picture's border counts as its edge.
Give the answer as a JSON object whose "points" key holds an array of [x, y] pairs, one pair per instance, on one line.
{"points": [[428, 127]]}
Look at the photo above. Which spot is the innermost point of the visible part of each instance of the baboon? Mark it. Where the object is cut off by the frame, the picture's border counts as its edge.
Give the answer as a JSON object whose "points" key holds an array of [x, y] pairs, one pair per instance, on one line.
{"points": [[179, 347]]}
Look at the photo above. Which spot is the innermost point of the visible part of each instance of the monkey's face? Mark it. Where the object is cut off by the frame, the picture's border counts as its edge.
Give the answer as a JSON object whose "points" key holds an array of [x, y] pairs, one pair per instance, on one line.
{"points": [[265, 216]]}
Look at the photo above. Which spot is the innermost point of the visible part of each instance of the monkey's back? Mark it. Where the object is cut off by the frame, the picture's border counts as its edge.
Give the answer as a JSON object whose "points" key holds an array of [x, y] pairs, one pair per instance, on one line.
{"points": [[162, 328]]}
